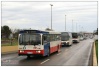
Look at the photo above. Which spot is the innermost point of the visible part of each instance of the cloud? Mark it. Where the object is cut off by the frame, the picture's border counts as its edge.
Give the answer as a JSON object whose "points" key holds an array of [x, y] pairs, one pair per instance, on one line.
{"points": [[38, 14]]}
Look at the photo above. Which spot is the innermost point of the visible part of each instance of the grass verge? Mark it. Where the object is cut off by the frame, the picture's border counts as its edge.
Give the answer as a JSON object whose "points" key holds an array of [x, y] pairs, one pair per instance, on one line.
{"points": [[96, 44]]}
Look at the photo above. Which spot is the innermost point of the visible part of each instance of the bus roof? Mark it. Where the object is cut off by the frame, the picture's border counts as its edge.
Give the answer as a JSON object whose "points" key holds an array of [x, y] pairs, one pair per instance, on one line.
{"points": [[54, 32], [33, 31], [39, 31], [65, 32]]}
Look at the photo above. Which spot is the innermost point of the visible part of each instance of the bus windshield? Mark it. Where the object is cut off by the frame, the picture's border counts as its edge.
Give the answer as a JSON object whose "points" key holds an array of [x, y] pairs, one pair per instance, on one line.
{"points": [[64, 36], [74, 35], [29, 39]]}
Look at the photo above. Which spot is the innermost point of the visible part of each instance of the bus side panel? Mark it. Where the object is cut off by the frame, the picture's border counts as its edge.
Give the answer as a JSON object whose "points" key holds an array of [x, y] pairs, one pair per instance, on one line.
{"points": [[71, 42], [54, 46], [46, 48]]}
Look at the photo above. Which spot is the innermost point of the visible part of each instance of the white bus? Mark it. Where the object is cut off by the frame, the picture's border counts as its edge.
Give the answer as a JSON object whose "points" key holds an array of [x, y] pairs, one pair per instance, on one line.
{"points": [[66, 38], [81, 35], [36, 42], [75, 37]]}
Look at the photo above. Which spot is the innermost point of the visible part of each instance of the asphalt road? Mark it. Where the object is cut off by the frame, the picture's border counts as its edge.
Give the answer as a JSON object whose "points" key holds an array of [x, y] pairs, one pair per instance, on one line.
{"points": [[76, 55]]}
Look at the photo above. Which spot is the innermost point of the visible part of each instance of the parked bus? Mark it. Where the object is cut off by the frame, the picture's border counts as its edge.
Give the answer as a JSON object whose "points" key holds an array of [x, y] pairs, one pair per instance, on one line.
{"points": [[75, 37], [36, 42], [66, 38]]}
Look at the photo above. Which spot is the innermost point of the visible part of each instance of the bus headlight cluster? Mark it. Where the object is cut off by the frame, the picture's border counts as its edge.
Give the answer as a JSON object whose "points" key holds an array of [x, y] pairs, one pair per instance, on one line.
{"points": [[38, 51], [67, 42], [21, 51]]}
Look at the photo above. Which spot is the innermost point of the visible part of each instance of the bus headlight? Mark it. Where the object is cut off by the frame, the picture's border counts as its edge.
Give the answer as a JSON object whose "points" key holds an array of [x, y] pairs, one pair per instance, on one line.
{"points": [[38, 51], [21, 51], [67, 42]]}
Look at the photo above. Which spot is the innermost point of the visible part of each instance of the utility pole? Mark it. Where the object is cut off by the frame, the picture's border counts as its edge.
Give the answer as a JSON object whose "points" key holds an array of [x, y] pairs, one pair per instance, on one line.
{"points": [[51, 15], [72, 25], [65, 22], [82, 28], [76, 27], [79, 29]]}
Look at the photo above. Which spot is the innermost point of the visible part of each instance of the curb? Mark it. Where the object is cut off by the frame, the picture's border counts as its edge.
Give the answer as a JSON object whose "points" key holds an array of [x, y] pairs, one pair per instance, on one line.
{"points": [[94, 55]]}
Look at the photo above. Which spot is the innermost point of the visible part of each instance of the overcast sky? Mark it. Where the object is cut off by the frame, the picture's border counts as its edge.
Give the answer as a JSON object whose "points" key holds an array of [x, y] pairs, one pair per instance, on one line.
{"points": [[37, 15]]}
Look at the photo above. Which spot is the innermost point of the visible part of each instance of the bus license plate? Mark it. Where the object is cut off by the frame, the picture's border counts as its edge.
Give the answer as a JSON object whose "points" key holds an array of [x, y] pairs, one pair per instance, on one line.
{"points": [[29, 53]]}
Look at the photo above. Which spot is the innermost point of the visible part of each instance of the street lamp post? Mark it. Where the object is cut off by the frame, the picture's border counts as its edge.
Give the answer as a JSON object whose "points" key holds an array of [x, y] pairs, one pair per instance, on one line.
{"points": [[82, 28], [79, 29], [76, 27], [72, 25], [51, 15], [65, 22]]}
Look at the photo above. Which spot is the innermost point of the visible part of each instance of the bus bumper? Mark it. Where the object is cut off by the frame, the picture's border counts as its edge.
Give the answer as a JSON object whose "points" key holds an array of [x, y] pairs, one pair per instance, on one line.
{"points": [[75, 41], [64, 43], [30, 52]]}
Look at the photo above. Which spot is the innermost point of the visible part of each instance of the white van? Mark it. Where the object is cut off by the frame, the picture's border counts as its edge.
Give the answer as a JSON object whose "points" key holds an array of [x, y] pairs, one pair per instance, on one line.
{"points": [[66, 38]]}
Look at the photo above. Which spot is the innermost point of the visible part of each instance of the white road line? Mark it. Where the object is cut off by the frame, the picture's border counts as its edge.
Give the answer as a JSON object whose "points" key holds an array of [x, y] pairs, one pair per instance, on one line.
{"points": [[45, 61], [91, 41]]}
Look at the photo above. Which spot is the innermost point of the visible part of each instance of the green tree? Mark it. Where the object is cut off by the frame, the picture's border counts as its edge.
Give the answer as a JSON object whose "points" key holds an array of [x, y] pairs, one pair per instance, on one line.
{"points": [[16, 32], [1, 31], [5, 30]]}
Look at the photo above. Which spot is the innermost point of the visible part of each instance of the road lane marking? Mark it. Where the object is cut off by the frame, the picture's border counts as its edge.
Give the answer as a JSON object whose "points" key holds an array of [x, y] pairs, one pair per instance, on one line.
{"points": [[45, 61], [91, 41]]}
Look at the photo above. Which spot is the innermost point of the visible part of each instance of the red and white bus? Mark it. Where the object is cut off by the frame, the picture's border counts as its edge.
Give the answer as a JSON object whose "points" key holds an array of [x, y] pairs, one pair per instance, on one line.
{"points": [[36, 42]]}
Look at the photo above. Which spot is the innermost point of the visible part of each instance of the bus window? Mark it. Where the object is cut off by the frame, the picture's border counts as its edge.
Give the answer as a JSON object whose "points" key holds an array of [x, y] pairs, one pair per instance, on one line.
{"points": [[74, 35], [29, 39], [20, 39], [51, 37], [35, 39], [58, 37], [65, 36], [46, 38]]}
